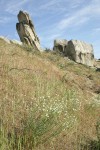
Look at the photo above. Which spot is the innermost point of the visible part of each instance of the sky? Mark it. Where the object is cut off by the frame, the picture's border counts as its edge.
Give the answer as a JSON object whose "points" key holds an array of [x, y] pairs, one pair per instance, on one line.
{"points": [[55, 19]]}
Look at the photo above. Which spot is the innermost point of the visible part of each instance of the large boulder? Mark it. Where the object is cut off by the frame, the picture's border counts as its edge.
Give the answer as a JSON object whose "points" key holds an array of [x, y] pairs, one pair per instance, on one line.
{"points": [[26, 31], [77, 51], [59, 45], [80, 52]]}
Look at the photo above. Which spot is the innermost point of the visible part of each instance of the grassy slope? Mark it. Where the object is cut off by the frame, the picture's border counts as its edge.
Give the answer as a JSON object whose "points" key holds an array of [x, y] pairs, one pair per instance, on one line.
{"points": [[47, 96]]}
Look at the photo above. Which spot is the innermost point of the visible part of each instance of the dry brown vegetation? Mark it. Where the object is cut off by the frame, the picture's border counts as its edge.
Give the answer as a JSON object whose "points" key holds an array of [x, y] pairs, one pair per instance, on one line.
{"points": [[47, 102]]}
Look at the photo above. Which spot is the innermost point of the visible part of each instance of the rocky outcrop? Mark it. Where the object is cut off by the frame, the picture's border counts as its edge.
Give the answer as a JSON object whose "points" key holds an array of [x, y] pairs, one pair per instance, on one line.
{"points": [[26, 31], [76, 50], [97, 65], [59, 45]]}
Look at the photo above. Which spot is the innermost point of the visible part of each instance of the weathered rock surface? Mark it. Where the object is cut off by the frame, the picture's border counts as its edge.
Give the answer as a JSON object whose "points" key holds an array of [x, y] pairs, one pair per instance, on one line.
{"points": [[97, 65], [59, 45], [26, 31], [76, 50]]}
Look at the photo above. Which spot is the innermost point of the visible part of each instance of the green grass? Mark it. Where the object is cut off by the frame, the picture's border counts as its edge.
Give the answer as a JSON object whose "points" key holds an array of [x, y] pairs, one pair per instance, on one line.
{"points": [[48, 116], [46, 102]]}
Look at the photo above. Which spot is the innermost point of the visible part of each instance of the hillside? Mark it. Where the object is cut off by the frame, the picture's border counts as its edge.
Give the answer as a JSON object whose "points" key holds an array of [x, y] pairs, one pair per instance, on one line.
{"points": [[47, 101]]}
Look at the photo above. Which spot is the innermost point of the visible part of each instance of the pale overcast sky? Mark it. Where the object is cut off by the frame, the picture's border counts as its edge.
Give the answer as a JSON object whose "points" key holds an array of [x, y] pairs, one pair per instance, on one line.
{"points": [[61, 19]]}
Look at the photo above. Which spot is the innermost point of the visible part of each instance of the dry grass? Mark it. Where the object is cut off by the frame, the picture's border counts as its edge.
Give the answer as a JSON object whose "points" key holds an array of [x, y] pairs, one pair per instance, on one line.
{"points": [[46, 102]]}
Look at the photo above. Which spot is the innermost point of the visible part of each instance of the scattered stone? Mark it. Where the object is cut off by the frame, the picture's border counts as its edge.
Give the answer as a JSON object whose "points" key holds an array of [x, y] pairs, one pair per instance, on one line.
{"points": [[76, 50], [16, 42], [5, 39], [26, 31], [98, 69], [96, 88], [90, 77], [97, 64]]}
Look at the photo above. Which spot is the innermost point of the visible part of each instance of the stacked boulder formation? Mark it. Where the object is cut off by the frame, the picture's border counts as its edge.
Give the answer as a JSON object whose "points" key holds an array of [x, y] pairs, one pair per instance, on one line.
{"points": [[26, 31], [76, 50]]}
